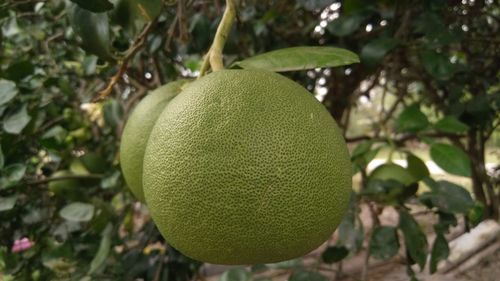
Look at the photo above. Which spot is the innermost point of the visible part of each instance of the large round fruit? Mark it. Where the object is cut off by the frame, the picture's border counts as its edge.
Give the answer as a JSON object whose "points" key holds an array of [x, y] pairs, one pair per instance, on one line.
{"points": [[136, 133], [245, 167]]}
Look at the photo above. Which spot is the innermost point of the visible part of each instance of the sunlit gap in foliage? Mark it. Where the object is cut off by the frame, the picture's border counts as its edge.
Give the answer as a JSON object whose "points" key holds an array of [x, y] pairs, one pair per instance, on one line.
{"points": [[329, 14]]}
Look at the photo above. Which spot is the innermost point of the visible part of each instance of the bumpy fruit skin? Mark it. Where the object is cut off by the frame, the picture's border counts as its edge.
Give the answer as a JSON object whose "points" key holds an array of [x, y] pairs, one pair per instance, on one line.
{"points": [[245, 167], [136, 133]]}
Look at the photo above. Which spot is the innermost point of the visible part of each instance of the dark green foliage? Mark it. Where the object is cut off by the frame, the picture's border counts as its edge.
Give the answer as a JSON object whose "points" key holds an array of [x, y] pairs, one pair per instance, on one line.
{"points": [[384, 242], [412, 120], [415, 240], [448, 197], [451, 159], [334, 254], [440, 251]]}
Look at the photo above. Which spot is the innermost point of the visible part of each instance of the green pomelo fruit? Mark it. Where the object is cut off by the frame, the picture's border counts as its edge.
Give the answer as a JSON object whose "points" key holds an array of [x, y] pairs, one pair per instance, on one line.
{"points": [[136, 133], [65, 188], [391, 171], [245, 167]]}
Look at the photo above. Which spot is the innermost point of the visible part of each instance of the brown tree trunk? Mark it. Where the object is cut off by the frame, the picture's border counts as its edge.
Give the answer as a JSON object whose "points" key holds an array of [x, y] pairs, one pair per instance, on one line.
{"points": [[480, 179]]}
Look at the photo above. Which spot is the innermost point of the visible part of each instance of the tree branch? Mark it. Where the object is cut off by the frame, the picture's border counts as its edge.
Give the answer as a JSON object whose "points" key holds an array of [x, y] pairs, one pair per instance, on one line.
{"points": [[136, 46], [405, 138], [72, 177]]}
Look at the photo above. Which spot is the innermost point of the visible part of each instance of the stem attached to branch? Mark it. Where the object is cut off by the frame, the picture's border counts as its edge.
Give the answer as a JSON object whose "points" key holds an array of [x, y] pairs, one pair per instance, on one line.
{"points": [[214, 56]]}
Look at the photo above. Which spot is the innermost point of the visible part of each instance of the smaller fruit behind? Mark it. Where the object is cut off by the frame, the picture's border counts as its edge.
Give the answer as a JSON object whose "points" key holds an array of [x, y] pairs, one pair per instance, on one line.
{"points": [[391, 171], [391, 184], [136, 133]]}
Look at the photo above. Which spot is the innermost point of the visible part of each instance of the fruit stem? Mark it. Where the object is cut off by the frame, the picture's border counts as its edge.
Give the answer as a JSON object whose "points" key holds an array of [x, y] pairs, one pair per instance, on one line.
{"points": [[213, 57]]}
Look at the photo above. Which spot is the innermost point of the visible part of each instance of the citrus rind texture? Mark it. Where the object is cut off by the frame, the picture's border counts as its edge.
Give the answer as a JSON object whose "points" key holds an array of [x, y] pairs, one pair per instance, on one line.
{"points": [[246, 167], [136, 133]]}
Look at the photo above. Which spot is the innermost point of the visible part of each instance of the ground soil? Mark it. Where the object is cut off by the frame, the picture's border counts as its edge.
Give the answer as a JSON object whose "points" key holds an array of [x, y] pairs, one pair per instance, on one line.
{"points": [[394, 270]]}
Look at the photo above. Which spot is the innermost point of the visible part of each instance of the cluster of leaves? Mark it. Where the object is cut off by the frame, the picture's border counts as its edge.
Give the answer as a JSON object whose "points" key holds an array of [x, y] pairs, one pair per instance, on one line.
{"points": [[60, 182]]}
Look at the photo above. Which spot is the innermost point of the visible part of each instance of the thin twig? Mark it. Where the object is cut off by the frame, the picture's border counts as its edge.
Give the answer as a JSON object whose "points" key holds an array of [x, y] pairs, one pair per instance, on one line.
{"points": [[159, 269], [170, 33], [136, 46], [72, 177], [51, 38], [405, 138], [376, 222]]}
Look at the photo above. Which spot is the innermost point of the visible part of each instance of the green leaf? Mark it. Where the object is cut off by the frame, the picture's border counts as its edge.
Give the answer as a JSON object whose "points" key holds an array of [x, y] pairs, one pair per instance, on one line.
{"points": [[53, 137], [352, 6], [446, 221], [235, 274], [19, 70], [384, 243], [440, 251], [12, 174], [436, 32], [89, 64], [449, 197], [2, 158], [113, 113], [16, 122], [96, 6], [10, 26], [345, 25], [131, 14], [429, 23], [7, 203], [450, 124], [415, 240], [416, 167], [299, 58], [256, 268], [8, 91], [147, 10], [334, 254], [361, 148], [77, 212], [93, 29], [389, 192], [411, 120], [94, 163], [438, 65], [307, 276], [103, 252], [111, 180], [476, 213], [60, 265], [363, 154], [373, 52], [451, 159]]}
